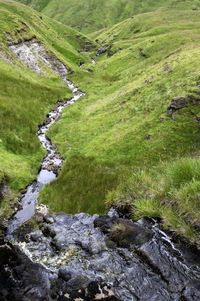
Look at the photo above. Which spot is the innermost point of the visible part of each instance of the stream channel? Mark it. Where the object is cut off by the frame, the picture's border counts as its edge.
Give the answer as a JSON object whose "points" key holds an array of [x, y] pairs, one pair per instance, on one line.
{"points": [[52, 159], [84, 257]]}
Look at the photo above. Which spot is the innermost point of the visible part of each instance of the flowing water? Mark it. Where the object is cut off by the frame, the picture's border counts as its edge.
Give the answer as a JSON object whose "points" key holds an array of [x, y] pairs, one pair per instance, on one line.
{"points": [[81, 258], [53, 159]]}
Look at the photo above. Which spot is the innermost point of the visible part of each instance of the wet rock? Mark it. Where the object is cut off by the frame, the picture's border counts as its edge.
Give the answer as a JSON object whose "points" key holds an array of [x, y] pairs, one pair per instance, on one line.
{"points": [[87, 47], [105, 223], [36, 236], [47, 230], [77, 283], [197, 119], [49, 219], [101, 50], [192, 291], [65, 273], [47, 121], [53, 167], [181, 102], [94, 288], [81, 64], [137, 260], [23, 280]]}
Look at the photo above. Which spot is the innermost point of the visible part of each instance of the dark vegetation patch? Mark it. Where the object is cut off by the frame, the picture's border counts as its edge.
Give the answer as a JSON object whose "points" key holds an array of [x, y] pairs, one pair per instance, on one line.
{"points": [[81, 186]]}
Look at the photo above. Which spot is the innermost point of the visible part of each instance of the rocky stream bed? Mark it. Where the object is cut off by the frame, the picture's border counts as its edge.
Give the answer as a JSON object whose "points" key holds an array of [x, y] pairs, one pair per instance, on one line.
{"points": [[84, 257]]}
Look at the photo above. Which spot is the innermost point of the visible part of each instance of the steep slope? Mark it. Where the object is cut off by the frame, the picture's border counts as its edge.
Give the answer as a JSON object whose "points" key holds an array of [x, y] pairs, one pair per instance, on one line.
{"points": [[138, 126], [33, 54], [92, 15]]}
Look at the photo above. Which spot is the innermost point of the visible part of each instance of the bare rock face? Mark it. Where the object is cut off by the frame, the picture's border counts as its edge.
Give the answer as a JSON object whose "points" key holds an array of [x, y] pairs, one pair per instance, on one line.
{"points": [[33, 54]]}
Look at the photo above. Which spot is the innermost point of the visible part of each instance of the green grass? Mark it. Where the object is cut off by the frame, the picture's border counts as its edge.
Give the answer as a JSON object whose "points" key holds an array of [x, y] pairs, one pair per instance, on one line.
{"points": [[119, 143], [92, 15], [171, 191], [26, 97], [177, 201], [126, 102], [82, 186]]}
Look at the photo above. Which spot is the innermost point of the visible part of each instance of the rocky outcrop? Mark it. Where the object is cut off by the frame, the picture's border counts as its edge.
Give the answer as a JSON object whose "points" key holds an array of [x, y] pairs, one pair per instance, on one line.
{"points": [[22, 280], [101, 50], [178, 103], [87, 47], [108, 257], [33, 54], [181, 102]]}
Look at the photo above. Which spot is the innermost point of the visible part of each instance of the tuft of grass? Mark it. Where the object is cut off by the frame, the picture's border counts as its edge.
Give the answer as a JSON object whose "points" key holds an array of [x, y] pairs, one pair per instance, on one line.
{"points": [[181, 172], [146, 207], [173, 195]]}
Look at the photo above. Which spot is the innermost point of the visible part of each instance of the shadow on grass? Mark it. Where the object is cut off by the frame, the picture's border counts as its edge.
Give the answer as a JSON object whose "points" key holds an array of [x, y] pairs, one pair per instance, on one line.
{"points": [[82, 186]]}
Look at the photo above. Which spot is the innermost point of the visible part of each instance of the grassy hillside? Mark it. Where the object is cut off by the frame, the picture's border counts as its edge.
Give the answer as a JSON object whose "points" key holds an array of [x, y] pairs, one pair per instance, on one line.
{"points": [[127, 130], [134, 138], [91, 15], [26, 96]]}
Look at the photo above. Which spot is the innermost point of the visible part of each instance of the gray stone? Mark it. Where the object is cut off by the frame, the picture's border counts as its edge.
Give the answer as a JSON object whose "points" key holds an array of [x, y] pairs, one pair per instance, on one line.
{"points": [[137, 260], [36, 236], [65, 273], [101, 51], [32, 52]]}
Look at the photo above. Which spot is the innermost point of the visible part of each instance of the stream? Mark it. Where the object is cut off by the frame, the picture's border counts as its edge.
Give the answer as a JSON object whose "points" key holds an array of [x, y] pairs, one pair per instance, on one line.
{"points": [[84, 257], [53, 160]]}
